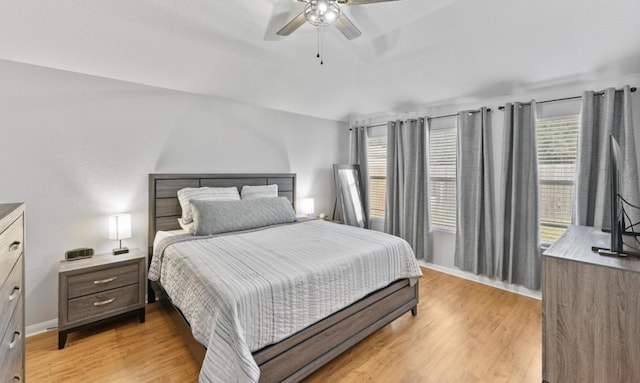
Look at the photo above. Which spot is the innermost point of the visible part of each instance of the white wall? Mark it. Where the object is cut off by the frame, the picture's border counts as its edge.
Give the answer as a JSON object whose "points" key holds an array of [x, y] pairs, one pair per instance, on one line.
{"points": [[78, 148], [444, 241]]}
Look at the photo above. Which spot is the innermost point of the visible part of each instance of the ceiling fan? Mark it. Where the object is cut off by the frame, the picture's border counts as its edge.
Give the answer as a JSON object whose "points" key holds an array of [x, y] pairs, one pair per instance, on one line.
{"points": [[326, 12]]}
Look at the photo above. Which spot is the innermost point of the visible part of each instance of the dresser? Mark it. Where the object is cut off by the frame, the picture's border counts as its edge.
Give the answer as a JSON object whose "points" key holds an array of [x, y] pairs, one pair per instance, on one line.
{"points": [[12, 293], [98, 289], [590, 312]]}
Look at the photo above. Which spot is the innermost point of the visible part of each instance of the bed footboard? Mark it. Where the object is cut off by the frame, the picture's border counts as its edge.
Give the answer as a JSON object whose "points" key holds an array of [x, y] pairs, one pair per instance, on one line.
{"points": [[301, 354]]}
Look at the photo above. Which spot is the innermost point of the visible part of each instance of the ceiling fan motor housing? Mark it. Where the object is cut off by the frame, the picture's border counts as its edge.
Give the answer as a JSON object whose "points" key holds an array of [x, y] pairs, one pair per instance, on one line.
{"points": [[321, 12]]}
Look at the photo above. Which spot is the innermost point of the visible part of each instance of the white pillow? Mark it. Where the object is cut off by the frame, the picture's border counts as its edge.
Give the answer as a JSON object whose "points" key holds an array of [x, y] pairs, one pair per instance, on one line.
{"points": [[188, 227], [253, 192], [205, 193]]}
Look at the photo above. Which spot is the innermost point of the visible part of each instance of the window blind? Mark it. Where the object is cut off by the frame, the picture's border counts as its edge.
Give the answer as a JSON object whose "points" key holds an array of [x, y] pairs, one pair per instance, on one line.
{"points": [[377, 161], [557, 141], [442, 177]]}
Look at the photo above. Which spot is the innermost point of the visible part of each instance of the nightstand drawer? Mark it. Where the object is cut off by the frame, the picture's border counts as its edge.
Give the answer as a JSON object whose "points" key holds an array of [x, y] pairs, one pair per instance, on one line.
{"points": [[10, 294], [11, 244], [12, 347], [102, 303], [101, 280]]}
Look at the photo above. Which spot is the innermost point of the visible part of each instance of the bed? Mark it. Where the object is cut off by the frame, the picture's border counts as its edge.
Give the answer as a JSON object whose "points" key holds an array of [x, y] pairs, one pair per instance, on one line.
{"points": [[298, 354]]}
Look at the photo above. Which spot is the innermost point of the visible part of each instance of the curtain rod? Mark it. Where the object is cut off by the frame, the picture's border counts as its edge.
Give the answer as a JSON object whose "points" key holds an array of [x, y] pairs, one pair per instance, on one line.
{"points": [[456, 114], [430, 118], [567, 98]]}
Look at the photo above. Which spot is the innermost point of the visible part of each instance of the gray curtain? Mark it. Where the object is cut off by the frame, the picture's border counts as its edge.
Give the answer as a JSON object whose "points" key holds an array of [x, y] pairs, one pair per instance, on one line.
{"points": [[475, 229], [604, 113], [358, 155], [407, 199], [519, 254]]}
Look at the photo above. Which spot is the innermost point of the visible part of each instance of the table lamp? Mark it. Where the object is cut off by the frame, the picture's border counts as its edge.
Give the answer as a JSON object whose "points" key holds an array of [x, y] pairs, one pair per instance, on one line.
{"points": [[119, 229], [306, 206]]}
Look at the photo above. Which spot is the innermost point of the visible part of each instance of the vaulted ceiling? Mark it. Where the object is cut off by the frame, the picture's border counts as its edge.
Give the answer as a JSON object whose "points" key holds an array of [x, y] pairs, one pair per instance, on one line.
{"points": [[411, 52]]}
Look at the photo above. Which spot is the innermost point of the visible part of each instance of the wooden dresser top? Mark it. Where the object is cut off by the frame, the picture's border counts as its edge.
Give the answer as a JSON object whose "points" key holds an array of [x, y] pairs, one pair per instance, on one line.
{"points": [[8, 213], [575, 245]]}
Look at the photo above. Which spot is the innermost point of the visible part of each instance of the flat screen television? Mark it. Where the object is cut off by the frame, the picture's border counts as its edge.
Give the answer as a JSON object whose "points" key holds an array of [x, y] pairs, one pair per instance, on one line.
{"points": [[617, 218], [618, 226]]}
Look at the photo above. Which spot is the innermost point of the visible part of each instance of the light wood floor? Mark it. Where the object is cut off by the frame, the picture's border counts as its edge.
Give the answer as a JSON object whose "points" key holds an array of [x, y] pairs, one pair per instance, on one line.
{"points": [[464, 332]]}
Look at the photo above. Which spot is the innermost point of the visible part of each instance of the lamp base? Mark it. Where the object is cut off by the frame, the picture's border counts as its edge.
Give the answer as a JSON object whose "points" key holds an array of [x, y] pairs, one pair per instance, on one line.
{"points": [[122, 250]]}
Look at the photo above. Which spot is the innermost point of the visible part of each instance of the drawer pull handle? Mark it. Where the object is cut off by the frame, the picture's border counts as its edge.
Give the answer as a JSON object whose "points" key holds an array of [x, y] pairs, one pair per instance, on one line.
{"points": [[16, 337], [17, 379], [103, 281], [104, 302], [14, 293], [14, 246]]}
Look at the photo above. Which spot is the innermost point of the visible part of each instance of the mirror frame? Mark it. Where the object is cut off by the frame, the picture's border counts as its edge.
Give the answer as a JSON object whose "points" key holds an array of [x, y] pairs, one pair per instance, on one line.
{"points": [[339, 192]]}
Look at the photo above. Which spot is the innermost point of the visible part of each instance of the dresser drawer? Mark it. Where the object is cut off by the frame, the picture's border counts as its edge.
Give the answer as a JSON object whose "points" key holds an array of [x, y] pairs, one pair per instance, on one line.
{"points": [[103, 303], [12, 370], [102, 280], [12, 376], [10, 294], [11, 244], [16, 376], [12, 347]]}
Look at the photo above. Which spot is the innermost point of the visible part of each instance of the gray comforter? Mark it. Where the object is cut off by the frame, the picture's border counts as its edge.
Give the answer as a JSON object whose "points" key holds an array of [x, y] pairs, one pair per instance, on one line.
{"points": [[245, 291]]}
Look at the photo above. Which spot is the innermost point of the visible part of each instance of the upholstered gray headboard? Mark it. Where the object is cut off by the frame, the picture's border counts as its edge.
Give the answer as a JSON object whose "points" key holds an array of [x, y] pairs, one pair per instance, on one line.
{"points": [[164, 208]]}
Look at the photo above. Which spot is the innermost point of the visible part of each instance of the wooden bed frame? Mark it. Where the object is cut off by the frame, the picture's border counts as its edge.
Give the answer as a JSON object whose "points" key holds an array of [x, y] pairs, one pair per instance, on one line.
{"points": [[297, 356]]}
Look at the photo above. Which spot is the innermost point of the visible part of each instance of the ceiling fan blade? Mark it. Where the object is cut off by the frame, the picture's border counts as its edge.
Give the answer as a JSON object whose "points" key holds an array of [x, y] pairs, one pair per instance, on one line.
{"points": [[361, 2], [348, 29], [292, 25]]}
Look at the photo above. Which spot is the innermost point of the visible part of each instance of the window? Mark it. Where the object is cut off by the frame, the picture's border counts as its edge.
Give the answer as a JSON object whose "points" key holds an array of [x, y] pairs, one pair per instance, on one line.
{"points": [[557, 141], [377, 161], [442, 175]]}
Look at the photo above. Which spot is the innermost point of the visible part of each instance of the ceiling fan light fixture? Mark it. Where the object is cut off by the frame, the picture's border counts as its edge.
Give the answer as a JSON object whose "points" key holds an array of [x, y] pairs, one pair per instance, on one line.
{"points": [[330, 17], [323, 5], [321, 12]]}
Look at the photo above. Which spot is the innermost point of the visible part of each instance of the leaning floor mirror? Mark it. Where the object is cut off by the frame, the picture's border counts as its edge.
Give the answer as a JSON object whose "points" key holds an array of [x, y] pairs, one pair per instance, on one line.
{"points": [[350, 202]]}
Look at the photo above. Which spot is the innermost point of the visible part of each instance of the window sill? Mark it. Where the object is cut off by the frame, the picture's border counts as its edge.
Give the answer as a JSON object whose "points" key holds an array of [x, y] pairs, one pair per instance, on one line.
{"points": [[443, 230]]}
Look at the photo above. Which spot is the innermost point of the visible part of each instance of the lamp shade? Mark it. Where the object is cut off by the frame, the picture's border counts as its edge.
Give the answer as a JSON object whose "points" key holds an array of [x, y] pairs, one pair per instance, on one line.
{"points": [[120, 226], [306, 206]]}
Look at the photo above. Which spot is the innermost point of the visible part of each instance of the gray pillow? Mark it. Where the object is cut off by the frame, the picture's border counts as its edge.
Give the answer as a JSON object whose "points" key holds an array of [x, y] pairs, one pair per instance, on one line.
{"points": [[215, 217]]}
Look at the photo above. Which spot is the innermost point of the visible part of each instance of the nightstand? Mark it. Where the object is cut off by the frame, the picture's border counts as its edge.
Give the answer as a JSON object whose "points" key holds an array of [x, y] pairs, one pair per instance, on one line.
{"points": [[98, 289]]}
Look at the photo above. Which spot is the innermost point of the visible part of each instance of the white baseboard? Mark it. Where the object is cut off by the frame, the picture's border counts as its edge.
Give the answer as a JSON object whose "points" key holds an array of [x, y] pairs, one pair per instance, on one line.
{"points": [[483, 279], [41, 327]]}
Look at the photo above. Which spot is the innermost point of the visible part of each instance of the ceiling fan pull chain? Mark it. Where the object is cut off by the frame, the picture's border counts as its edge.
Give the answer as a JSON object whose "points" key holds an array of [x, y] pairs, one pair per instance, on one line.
{"points": [[318, 42], [321, 47]]}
